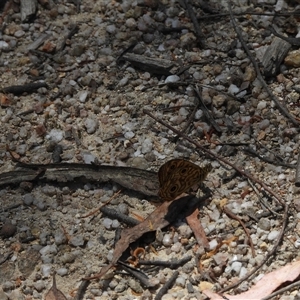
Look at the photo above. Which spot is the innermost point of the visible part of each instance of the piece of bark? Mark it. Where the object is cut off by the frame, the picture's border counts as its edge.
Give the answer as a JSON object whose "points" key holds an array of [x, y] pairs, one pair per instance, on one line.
{"points": [[26, 88], [28, 9], [142, 181], [38, 42], [155, 66], [274, 56]]}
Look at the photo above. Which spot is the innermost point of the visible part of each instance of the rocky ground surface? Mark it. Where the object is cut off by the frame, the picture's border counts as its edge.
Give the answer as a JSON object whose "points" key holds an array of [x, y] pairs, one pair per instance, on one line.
{"points": [[92, 107]]}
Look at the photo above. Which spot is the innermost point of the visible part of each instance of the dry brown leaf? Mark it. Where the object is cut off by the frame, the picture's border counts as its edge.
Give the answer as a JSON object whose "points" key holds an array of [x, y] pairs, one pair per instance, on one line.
{"points": [[159, 218], [197, 229], [54, 293], [266, 286]]}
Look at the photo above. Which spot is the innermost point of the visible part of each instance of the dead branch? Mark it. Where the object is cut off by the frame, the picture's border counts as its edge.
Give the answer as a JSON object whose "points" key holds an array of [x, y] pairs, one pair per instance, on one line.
{"points": [[167, 285]]}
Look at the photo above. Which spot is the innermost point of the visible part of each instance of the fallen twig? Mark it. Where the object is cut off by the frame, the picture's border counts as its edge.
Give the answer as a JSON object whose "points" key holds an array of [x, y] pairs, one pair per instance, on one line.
{"points": [[139, 275], [99, 208], [167, 285], [198, 32], [206, 112], [81, 290], [113, 214], [235, 217], [172, 264], [297, 179]]}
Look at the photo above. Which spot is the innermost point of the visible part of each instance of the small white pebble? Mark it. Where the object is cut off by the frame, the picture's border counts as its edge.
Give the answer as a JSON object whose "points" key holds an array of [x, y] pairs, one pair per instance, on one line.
{"points": [[49, 249], [110, 255], [172, 78], [236, 267], [107, 223], [55, 135], [261, 105], [147, 146], [129, 135], [273, 235], [39, 285], [46, 270], [180, 281], [297, 243], [115, 224], [62, 271], [111, 29], [167, 241], [213, 244]]}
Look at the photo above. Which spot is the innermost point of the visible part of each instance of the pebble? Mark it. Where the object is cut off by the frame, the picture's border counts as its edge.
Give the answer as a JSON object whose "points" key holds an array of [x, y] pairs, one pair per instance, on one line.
{"points": [[91, 125], [68, 257], [107, 223], [46, 270], [135, 286], [8, 286], [147, 146], [55, 135], [8, 230], [111, 29], [264, 224], [19, 33], [115, 224], [236, 267], [77, 240], [167, 240], [185, 231], [273, 235], [39, 285], [172, 79], [83, 96], [180, 281], [16, 295], [176, 247], [48, 250], [213, 244], [62, 272]]}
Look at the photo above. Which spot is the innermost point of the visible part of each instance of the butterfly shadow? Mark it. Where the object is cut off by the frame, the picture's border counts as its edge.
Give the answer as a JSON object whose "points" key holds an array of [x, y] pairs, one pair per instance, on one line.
{"points": [[184, 206]]}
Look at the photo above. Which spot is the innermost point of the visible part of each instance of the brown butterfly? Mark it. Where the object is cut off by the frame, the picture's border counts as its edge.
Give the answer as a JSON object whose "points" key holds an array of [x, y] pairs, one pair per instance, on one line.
{"points": [[177, 176]]}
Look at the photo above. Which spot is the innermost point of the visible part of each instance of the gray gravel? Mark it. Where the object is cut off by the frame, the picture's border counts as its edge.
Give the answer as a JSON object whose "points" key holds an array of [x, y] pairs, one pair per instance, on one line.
{"points": [[93, 108]]}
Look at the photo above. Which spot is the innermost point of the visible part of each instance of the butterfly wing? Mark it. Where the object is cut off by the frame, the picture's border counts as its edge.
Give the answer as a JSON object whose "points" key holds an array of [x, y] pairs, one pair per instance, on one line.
{"points": [[178, 176]]}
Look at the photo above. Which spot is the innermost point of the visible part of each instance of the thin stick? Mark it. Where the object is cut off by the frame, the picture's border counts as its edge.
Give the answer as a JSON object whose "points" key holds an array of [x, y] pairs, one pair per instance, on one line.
{"points": [[193, 17], [297, 179], [97, 209], [167, 285], [235, 217]]}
